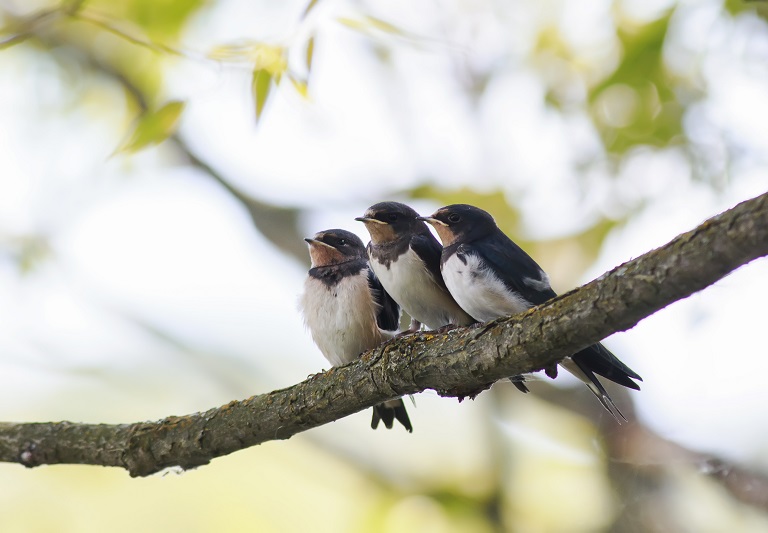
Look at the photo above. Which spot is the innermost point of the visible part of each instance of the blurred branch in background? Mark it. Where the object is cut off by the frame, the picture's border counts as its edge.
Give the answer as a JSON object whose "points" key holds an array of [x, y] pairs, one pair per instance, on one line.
{"points": [[459, 363], [643, 464]]}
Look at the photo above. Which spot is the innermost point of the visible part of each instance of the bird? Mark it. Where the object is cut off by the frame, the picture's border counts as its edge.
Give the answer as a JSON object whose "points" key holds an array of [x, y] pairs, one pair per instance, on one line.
{"points": [[406, 258], [346, 309], [490, 276]]}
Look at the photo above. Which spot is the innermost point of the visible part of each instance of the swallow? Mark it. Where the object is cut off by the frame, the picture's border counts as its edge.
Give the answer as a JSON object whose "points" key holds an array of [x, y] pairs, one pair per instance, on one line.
{"points": [[406, 258], [490, 276], [347, 310]]}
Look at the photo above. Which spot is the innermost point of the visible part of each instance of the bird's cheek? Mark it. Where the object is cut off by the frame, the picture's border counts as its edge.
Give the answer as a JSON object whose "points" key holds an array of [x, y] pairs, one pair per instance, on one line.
{"points": [[324, 256], [380, 233], [445, 234]]}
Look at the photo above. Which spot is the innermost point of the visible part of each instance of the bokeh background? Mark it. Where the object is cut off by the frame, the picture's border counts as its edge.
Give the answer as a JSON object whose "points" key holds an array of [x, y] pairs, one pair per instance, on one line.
{"points": [[161, 160]]}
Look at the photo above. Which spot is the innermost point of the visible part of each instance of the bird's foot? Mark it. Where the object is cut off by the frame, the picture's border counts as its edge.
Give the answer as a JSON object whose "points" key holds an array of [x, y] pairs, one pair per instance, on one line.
{"points": [[446, 328]]}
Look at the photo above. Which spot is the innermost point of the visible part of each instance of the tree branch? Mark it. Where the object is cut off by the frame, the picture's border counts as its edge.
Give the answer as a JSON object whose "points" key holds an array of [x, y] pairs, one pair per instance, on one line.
{"points": [[457, 363]]}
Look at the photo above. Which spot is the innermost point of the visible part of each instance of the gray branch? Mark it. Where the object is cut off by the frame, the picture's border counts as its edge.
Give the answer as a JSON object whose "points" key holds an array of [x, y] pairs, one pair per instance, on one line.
{"points": [[458, 363]]}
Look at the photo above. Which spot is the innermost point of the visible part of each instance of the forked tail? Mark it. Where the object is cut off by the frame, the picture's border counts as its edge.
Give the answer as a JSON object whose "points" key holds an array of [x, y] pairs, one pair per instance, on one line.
{"points": [[390, 411]]}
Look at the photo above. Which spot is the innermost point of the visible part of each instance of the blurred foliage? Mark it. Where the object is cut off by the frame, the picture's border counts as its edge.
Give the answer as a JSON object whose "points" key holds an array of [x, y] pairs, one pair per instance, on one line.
{"points": [[637, 103], [153, 127], [758, 7], [505, 213], [261, 84], [270, 64], [634, 105], [27, 251], [159, 19], [368, 25]]}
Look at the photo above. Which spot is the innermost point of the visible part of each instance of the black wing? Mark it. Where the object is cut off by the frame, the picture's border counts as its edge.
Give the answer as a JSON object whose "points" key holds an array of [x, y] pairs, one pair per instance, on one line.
{"points": [[388, 317], [429, 250], [519, 272], [514, 266]]}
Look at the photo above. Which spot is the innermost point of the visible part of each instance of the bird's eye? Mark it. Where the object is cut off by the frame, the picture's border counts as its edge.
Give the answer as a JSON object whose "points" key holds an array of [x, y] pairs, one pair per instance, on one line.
{"points": [[392, 217], [342, 242], [454, 218]]}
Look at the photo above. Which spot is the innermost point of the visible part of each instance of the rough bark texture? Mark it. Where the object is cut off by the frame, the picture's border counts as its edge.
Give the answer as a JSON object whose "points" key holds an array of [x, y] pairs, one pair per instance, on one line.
{"points": [[456, 363]]}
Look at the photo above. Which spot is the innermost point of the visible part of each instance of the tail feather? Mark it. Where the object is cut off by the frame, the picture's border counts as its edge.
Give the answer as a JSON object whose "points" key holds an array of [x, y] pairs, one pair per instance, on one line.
{"points": [[390, 411], [519, 382], [579, 369], [599, 359]]}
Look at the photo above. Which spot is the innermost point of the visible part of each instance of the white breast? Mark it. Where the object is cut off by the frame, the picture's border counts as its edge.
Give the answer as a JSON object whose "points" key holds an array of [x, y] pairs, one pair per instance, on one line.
{"points": [[479, 291], [412, 286], [342, 318]]}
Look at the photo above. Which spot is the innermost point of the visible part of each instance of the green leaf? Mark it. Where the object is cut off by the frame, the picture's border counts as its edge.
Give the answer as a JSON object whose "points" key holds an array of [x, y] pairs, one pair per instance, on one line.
{"points": [[354, 24], [309, 8], [237, 51], [310, 53], [366, 24], [373, 27], [261, 83], [383, 25], [153, 127], [300, 86]]}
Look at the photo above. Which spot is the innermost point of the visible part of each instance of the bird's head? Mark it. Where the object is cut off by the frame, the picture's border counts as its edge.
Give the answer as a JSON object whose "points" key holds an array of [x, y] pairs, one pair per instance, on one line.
{"points": [[386, 221], [335, 246], [461, 222]]}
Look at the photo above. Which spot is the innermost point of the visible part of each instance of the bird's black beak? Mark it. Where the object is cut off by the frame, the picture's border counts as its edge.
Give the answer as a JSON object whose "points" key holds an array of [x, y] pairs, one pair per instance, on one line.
{"points": [[365, 220], [432, 221], [317, 242]]}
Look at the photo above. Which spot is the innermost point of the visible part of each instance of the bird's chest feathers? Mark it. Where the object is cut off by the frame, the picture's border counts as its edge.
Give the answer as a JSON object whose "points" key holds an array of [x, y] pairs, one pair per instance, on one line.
{"points": [[478, 290], [404, 277], [341, 317], [413, 286]]}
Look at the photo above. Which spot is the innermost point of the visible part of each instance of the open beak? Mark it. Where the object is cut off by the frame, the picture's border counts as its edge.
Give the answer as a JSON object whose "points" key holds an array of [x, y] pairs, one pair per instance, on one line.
{"points": [[365, 220], [432, 221]]}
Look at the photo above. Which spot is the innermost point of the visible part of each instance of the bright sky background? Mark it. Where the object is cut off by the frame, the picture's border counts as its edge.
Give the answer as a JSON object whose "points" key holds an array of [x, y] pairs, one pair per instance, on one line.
{"points": [[142, 239]]}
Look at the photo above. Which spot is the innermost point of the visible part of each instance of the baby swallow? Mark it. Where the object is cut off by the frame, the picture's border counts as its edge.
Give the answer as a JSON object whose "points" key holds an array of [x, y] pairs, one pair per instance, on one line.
{"points": [[347, 310], [406, 258], [490, 276]]}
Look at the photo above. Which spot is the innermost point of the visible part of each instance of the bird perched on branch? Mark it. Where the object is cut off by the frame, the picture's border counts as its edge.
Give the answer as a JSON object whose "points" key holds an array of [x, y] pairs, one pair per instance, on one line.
{"points": [[347, 310], [490, 276]]}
